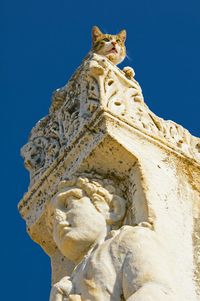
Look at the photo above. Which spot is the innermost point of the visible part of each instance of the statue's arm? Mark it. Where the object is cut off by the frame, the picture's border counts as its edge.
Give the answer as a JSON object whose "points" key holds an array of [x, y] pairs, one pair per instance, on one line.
{"points": [[152, 291], [146, 270]]}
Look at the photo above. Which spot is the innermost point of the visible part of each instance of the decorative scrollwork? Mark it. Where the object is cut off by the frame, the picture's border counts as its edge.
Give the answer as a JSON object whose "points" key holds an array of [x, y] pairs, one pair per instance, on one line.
{"points": [[98, 83]]}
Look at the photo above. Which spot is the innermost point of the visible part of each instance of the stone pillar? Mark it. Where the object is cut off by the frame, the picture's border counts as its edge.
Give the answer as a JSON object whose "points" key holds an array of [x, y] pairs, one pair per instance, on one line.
{"points": [[101, 142]]}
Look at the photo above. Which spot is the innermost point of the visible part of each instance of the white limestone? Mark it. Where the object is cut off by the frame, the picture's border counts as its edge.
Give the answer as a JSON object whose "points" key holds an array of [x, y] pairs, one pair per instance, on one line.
{"points": [[114, 193]]}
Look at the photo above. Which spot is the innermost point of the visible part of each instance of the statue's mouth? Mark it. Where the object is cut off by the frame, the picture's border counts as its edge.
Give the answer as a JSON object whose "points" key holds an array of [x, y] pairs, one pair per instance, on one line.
{"points": [[63, 228]]}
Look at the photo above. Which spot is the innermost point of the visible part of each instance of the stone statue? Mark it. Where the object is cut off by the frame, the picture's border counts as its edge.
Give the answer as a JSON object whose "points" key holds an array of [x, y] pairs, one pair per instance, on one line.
{"points": [[127, 263], [128, 230]]}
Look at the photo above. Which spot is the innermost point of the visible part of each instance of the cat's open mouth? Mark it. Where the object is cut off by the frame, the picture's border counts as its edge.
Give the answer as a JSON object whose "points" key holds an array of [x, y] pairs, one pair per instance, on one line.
{"points": [[113, 50]]}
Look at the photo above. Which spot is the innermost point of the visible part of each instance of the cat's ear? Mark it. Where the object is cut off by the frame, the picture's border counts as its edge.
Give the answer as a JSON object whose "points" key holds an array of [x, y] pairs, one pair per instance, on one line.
{"points": [[122, 35], [96, 32]]}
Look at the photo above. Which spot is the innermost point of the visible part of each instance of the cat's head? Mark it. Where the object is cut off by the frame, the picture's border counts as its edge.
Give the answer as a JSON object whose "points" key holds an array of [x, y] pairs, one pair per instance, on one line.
{"points": [[111, 46]]}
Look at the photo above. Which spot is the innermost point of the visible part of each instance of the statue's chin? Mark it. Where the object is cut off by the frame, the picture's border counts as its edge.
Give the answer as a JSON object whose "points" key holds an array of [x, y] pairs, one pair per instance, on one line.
{"points": [[73, 249]]}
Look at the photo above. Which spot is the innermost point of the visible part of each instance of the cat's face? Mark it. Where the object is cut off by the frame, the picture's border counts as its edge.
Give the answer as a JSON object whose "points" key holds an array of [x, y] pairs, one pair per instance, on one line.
{"points": [[111, 46]]}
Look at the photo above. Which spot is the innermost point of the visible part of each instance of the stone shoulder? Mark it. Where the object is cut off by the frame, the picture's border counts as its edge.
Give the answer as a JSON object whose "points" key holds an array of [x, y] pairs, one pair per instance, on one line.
{"points": [[129, 236]]}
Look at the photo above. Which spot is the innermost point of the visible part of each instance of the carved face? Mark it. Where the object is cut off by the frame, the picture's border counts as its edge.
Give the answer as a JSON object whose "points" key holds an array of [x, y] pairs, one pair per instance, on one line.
{"points": [[77, 225]]}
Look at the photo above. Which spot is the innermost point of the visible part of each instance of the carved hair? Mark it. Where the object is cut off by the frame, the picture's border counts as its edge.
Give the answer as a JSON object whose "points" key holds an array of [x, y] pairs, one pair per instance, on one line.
{"points": [[103, 193]]}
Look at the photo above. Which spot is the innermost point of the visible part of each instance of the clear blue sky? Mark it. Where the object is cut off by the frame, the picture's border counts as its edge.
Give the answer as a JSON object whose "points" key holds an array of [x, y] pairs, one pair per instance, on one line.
{"points": [[42, 43]]}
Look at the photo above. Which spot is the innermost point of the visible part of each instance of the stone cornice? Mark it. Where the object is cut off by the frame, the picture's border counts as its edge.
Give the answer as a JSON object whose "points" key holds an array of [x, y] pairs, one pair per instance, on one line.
{"points": [[97, 90]]}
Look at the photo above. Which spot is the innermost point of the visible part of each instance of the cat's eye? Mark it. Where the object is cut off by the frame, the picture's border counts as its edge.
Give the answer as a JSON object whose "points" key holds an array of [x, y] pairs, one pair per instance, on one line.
{"points": [[118, 40], [106, 40]]}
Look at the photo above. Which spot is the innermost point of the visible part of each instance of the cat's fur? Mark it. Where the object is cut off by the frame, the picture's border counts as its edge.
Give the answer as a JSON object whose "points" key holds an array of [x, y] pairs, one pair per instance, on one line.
{"points": [[110, 46]]}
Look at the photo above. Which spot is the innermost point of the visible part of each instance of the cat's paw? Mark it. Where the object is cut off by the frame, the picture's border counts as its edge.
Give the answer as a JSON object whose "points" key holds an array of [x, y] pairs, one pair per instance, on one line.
{"points": [[129, 72]]}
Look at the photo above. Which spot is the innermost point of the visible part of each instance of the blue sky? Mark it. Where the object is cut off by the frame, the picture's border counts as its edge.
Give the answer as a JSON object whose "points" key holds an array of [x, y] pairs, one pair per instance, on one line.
{"points": [[42, 44]]}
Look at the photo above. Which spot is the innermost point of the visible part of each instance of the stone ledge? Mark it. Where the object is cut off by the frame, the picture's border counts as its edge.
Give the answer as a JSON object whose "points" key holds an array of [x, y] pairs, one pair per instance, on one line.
{"points": [[97, 86], [99, 126]]}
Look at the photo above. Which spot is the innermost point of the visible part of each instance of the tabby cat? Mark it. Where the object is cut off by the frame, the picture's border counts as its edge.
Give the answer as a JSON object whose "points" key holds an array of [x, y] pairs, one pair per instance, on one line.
{"points": [[111, 46]]}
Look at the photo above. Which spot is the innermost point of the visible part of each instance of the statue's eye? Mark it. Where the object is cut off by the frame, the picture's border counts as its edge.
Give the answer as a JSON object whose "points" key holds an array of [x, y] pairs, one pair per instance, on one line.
{"points": [[61, 204], [106, 40]]}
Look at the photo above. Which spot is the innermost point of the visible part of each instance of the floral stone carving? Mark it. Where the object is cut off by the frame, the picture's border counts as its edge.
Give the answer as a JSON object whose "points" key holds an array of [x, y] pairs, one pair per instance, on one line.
{"points": [[114, 196], [98, 85]]}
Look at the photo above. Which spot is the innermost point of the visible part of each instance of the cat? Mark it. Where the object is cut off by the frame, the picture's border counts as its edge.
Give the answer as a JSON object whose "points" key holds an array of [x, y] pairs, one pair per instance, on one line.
{"points": [[112, 47]]}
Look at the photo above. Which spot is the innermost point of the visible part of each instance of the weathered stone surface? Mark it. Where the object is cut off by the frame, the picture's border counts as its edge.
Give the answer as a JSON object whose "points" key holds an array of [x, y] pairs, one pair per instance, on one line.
{"points": [[131, 181], [98, 86]]}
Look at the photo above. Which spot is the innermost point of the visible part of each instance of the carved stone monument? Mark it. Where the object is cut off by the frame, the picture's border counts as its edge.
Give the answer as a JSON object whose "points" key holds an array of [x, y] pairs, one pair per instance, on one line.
{"points": [[114, 193]]}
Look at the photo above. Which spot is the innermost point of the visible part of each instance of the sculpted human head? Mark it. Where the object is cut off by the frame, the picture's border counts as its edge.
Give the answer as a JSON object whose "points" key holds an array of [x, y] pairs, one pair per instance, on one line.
{"points": [[84, 210]]}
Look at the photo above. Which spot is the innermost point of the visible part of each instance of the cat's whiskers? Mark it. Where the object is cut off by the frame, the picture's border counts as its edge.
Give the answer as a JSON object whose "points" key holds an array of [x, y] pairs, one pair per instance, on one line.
{"points": [[128, 57]]}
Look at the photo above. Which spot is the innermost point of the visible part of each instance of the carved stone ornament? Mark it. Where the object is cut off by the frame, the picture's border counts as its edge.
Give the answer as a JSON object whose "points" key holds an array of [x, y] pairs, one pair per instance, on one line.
{"points": [[98, 85], [114, 195]]}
